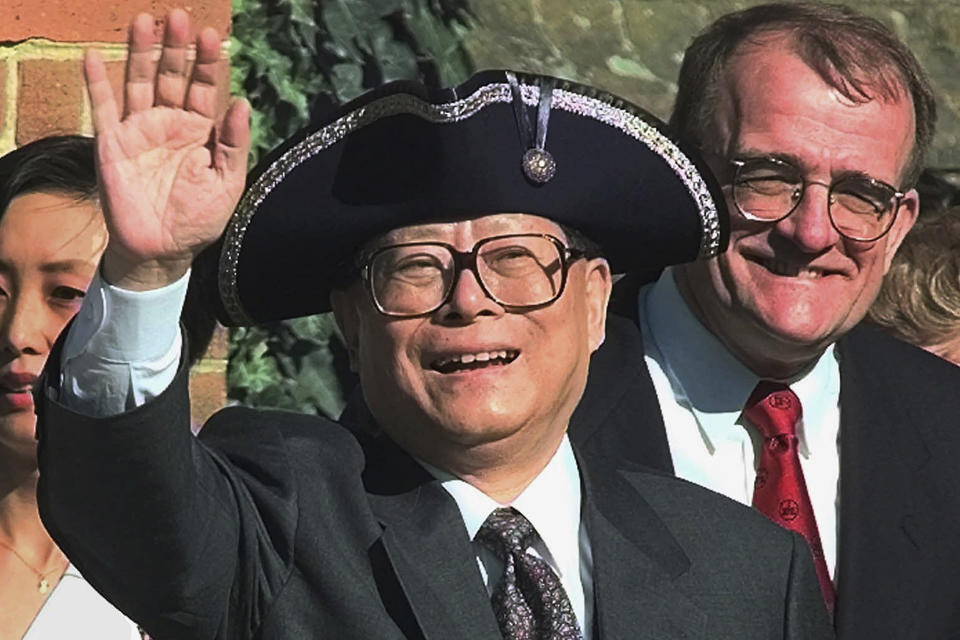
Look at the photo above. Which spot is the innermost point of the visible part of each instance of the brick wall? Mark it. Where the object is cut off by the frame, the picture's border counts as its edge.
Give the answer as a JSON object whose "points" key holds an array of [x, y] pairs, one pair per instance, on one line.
{"points": [[42, 93]]}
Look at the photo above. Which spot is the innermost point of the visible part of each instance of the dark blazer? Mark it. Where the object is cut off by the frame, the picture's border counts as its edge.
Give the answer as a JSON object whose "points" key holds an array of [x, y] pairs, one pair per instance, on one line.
{"points": [[899, 538], [275, 525]]}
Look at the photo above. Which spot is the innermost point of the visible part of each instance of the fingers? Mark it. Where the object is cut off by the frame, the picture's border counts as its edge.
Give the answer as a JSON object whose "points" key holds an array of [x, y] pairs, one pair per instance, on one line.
{"points": [[141, 67], [166, 82], [171, 82], [103, 106], [233, 143], [202, 94]]}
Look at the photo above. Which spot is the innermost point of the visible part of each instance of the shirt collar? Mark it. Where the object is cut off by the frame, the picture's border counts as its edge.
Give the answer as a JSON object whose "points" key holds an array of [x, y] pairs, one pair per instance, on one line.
{"points": [[709, 381], [551, 502]]}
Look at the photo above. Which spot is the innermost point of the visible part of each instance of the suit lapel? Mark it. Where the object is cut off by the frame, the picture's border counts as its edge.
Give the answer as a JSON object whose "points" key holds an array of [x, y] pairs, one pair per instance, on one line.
{"points": [[426, 543], [636, 561], [619, 414], [883, 457]]}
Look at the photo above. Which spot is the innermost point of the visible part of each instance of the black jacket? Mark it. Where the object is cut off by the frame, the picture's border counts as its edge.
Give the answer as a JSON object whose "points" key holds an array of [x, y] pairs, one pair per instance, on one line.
{"points": [[899, 539], [274, 525]]}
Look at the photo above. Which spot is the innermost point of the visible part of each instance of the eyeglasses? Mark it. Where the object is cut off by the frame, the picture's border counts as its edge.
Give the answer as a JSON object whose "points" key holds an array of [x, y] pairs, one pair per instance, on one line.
{"points": [[768, 189], [519, 271]]}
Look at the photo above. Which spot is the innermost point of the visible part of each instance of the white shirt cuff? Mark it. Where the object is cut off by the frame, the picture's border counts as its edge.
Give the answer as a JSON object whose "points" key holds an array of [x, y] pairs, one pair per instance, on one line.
{"points": [[123, 348]]}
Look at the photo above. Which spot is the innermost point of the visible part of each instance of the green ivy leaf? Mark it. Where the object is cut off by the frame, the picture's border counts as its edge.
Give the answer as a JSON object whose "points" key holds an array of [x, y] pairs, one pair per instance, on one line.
{"points": [[397, 60], [347, 81]]}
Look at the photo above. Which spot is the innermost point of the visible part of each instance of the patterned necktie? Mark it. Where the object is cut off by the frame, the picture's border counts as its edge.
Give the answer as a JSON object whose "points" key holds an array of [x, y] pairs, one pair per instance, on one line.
{"points": [[780, 492], [529, 601]]}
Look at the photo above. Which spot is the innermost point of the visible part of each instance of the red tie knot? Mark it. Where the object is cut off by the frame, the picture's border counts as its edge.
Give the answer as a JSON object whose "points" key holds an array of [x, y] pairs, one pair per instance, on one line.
{"points": [[780, 400], [773, 409]]}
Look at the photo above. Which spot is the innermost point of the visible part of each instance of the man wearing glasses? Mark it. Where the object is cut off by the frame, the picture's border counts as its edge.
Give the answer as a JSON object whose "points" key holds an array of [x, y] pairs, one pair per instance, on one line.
{"points": [[447, 240], [816, 121]]}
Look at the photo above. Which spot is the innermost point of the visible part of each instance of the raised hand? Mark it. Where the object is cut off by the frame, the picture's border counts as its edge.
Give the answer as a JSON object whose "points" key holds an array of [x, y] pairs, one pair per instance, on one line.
{"points": [[170, 177]]}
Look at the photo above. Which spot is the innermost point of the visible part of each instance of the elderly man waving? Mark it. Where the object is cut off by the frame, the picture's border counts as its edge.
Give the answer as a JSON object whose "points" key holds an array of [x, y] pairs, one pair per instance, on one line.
{"points": [[449, 232]]}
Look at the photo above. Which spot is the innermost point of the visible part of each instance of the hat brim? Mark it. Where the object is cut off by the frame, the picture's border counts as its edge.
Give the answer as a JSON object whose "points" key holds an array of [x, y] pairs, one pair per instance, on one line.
{"points": [[404, 155]]}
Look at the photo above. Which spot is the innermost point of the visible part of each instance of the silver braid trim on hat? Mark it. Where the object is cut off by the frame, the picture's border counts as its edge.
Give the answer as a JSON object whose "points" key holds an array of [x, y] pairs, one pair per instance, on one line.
{"points": [[597, 108]]}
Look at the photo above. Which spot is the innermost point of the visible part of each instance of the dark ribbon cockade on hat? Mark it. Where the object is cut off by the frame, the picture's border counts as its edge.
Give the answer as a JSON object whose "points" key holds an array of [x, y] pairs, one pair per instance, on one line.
{"points": [[538, 165], [404, 154]]}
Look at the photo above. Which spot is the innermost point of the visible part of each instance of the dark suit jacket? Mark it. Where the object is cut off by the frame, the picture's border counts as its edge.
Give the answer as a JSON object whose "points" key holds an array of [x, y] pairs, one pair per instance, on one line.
{"points": [[899, 538], [275, 525]]}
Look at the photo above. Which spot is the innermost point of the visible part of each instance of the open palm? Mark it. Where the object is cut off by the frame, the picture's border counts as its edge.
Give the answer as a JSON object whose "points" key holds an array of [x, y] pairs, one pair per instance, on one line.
{"points": [[169, 177]]}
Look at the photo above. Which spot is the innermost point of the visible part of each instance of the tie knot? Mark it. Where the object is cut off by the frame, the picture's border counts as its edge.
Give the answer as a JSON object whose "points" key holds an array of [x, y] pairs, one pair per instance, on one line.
{"points": [[506, 531], [773, 409]]}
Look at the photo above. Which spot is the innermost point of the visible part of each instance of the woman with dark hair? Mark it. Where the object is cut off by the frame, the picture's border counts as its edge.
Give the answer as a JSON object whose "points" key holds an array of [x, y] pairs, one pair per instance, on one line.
{"points": [[51, 236]]}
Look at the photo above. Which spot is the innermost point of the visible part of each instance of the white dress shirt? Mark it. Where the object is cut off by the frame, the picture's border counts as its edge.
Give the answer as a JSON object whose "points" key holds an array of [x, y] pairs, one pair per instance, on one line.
{"points": [[124, 349], [74, 610], [552, 505], [702, 390]]}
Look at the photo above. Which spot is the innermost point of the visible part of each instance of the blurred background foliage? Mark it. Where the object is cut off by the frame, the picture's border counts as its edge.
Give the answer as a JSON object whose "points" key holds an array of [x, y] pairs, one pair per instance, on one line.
{"points": [[289, 58]]}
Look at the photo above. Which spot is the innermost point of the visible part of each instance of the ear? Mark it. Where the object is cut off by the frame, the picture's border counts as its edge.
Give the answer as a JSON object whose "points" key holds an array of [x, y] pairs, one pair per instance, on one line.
{"points": [[345, 313], [598, 286], [906, 217]]}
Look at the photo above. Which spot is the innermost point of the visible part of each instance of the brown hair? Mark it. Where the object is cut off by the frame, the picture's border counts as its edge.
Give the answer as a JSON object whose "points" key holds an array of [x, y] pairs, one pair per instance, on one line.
{"points": [[857, 55], [920, 298]]}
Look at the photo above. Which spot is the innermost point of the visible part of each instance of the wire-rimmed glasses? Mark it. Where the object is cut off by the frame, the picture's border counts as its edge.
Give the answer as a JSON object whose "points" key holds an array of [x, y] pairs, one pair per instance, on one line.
{"points": [[769, 189]]}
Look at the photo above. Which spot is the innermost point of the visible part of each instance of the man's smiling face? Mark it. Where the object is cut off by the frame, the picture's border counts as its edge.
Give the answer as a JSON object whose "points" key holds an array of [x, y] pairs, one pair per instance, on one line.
{"points": [[785, 290], [473, 375]]}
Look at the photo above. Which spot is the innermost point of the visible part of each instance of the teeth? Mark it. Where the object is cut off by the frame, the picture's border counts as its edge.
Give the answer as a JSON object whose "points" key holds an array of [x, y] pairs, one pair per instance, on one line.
{"points": [[483, 356], [791, 270]]}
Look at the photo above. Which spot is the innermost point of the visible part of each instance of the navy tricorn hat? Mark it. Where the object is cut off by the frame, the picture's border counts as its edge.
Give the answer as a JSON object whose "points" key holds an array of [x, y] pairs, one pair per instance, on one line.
{"points": [[502, 142]]}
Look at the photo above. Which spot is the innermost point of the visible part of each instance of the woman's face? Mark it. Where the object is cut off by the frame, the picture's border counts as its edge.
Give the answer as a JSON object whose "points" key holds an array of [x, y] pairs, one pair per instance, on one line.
{"points": [[50, 245]]}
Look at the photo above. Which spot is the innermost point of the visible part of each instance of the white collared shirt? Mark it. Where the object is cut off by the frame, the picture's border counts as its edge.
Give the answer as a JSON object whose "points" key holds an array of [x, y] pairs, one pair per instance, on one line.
{"points": [[702, 390], [74, 610], [552, 505]]}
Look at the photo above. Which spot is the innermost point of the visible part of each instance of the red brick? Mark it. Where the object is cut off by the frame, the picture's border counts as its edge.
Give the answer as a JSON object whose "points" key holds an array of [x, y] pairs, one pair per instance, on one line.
{"points": [[208, 379], [49, 100], [83, 21], [217, 350], [208, 389]]}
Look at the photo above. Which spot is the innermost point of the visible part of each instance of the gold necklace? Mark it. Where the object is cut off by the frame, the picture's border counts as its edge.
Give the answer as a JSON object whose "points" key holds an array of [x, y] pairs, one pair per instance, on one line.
{"points": [[43, 586]]}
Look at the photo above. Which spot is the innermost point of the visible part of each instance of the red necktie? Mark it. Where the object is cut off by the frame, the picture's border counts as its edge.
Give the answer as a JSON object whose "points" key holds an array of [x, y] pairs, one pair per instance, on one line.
{"points": [[779, 491]]}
